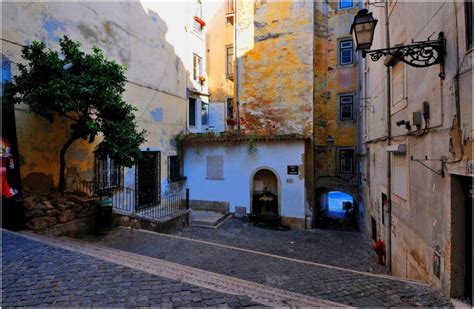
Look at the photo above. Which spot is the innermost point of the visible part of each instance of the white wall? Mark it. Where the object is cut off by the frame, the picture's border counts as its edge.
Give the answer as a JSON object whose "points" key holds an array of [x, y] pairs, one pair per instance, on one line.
{"points": [[239, 167], [217, 116]]}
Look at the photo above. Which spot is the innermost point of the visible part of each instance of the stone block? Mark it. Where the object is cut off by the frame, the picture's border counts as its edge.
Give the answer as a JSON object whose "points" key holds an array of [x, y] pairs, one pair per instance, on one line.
{"points": [[66, 216], [33, 213], [53, 213], [41, 223]]}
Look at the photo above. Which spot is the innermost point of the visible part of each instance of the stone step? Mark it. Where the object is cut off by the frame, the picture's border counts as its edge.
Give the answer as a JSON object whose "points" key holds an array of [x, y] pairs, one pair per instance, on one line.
{"points": [[208, 219]]}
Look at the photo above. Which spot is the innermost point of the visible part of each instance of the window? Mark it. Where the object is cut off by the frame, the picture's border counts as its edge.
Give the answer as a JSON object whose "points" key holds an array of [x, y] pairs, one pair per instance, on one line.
{"points": [[346, 161], [346, 107], [229, 60], [204, 113], [345, 52], [197, 67], [230, 108], [229, 11], [107, 173], [468, 14], [174, 164], [345, 4], [215, 167], [229, 7], [197, 27], [192, 112]]}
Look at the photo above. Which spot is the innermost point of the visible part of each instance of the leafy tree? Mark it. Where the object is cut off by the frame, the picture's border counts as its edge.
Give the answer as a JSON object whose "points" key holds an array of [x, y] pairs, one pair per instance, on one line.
{"points": [[84, 88]]}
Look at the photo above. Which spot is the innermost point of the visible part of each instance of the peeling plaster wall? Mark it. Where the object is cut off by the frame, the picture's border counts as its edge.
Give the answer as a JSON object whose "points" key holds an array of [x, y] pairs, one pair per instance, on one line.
{"points": [[235, 187], [155, 44], [275, 66], [421, 220], [331, 80]]}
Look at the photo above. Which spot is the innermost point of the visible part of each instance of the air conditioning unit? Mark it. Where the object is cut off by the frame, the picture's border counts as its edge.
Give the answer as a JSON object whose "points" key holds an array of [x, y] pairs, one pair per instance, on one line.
{"points": [[400, 148]]}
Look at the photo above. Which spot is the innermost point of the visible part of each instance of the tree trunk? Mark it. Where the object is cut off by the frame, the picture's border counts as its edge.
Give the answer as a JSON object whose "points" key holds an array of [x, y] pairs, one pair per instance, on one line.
{"points": [[62, 162]]}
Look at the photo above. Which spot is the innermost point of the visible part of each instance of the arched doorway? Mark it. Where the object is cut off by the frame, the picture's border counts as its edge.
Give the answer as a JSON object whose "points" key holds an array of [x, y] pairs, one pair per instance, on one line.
{"points": [[335, 209], [265, 196]]}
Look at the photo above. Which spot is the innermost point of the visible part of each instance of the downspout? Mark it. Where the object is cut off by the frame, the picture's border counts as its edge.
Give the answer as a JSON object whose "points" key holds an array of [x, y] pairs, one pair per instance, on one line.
{"points": [[237, 104], [389, 156]]}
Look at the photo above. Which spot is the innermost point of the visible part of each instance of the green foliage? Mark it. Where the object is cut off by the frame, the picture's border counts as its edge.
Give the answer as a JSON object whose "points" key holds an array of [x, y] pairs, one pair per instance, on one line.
{"points": [[85, 88]]}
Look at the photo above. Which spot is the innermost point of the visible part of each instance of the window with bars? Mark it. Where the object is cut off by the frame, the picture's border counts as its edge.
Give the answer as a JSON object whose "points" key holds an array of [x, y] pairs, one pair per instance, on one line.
{"points": [[346, 52], [108, 174], [346, 107], [197, 66], [229, 50], [346, 161]]}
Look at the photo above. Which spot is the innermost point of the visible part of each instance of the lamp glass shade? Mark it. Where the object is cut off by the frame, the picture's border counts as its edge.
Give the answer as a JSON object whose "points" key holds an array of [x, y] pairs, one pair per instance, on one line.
{"points": [[363, 29]]}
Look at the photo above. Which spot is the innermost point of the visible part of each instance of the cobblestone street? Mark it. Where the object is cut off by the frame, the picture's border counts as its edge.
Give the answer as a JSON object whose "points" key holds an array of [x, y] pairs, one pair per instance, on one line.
{"points": [[234, 266], [37, 274], [329, 265]]}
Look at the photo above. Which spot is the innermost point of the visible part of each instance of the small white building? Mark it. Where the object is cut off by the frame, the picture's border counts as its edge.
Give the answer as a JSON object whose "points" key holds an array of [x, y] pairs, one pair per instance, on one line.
{"points": [[243, 173]]}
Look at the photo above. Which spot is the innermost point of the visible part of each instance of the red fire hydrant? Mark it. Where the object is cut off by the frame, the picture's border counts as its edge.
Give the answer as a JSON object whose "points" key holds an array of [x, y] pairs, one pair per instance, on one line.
{"points": [[379, 248]]}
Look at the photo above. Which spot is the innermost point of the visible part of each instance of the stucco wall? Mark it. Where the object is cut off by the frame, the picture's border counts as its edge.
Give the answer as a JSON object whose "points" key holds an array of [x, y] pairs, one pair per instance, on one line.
{"points": [[421, 217], [330, 81], [155, 44], [275, 66], [239, 167], [220, 34]]}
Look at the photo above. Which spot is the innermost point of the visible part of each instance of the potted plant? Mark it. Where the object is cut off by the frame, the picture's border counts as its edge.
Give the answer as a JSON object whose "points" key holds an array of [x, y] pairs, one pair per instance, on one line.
{"points": [[202, 79]]}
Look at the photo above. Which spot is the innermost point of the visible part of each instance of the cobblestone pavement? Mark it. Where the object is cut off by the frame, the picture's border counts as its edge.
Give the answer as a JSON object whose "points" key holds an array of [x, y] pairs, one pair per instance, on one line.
{"points": [[337, 248], [342, 286], [38, 274]]}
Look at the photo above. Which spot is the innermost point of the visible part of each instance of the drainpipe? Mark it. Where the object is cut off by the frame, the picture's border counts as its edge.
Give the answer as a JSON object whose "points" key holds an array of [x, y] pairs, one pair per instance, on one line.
{"points": [[389, 156], [237, 104]]}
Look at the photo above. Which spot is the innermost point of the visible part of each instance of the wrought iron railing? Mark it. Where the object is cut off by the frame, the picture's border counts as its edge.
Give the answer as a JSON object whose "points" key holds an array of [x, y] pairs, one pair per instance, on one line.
{"points": [[124, 199], [168, 206]]}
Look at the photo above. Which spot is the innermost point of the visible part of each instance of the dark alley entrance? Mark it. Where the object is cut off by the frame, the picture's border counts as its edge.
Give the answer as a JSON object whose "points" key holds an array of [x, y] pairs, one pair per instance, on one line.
{"points": [[337, 210]]}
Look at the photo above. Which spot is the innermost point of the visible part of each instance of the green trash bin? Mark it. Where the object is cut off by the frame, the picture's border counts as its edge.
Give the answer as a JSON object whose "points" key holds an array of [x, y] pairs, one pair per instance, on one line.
{"points": [[103, 216]]}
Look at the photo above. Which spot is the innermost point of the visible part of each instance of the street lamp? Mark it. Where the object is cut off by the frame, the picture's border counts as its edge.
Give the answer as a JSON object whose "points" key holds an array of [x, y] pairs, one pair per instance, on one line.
{"points": [[362, 29], [418, 54]]}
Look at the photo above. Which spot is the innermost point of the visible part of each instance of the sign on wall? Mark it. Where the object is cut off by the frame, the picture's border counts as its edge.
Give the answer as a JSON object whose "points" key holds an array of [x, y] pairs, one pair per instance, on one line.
{"points": [[293, 169]]}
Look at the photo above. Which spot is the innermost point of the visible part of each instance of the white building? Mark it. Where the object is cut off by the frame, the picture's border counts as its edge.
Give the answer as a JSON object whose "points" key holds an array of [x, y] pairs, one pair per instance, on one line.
{"points": [[239, 172]]}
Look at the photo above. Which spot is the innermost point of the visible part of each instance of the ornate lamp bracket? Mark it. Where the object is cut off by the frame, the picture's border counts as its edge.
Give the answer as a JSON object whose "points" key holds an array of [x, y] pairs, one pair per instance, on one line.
{"points": [[419, 54]]}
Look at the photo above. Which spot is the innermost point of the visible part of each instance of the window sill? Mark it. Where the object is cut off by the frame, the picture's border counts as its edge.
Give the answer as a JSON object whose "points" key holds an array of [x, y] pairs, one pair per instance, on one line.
{"points": [[346, 66], [214, 178]]}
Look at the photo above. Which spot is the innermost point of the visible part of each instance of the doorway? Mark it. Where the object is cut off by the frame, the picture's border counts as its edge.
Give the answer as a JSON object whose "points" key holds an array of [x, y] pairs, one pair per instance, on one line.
{"points": [[148, 191], [462, 191], [265, 204]]}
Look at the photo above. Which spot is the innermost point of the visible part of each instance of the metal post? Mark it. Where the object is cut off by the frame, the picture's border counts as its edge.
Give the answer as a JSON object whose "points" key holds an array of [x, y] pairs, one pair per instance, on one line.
{"points": [[389, 158], [187, 198]]}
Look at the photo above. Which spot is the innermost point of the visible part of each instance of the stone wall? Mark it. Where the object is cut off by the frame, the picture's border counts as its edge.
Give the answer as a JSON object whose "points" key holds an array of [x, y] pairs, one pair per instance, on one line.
{"points": [[71, 214]]}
